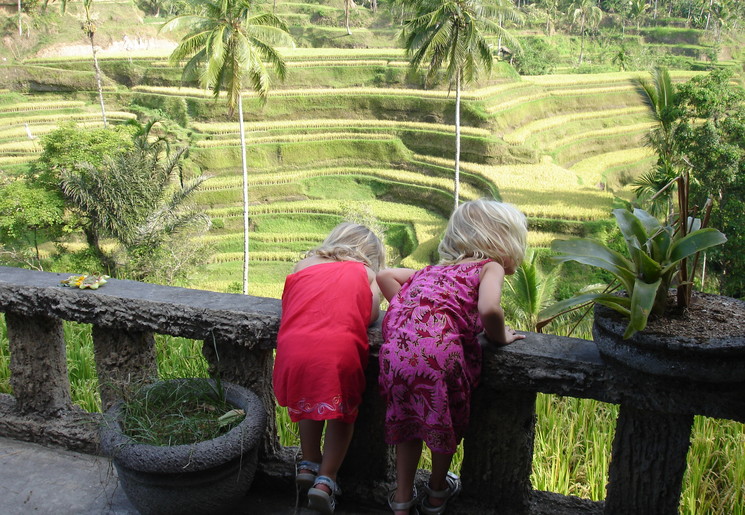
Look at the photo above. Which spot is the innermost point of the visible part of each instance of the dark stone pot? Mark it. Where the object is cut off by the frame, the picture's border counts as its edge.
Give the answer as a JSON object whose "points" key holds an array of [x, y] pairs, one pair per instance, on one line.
{"points": [[209, 477], [714, 360]]}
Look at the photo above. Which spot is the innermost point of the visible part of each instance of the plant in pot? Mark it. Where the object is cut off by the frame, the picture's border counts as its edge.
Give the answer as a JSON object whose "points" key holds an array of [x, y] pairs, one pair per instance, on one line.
{"points": [[646, 325], [185, 445], [691, 334]]}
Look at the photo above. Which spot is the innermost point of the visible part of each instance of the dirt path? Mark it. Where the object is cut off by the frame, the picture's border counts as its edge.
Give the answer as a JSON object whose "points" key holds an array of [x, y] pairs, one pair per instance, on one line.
{"points": [[127, 45]]}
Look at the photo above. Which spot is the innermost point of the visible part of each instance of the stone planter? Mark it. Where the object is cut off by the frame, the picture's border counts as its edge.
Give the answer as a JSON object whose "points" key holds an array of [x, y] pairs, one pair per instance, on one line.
{"points": [[209, 477], [712, 359]]}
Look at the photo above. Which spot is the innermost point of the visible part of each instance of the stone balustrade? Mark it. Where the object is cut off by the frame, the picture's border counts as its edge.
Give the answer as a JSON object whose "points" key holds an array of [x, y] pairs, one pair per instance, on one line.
{"points": [[239, 332]]}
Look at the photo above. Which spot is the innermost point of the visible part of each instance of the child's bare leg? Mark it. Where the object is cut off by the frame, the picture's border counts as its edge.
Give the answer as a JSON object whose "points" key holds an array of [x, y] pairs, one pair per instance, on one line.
{"points": [[310, 439], [407, 459], [440, 467], [335, 446]]}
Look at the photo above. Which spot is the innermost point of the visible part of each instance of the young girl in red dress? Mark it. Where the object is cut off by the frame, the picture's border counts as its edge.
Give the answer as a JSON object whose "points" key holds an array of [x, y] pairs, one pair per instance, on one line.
{"points": [[328, 302], [431, 359]]}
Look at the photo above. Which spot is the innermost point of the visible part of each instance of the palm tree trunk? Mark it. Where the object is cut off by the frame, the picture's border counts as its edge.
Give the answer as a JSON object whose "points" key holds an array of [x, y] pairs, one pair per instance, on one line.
{"points": [[245, 193], [346, 16], [499, 39], [456, 186], [38, 253], [581, 42], [98, 82], [109, 265]]}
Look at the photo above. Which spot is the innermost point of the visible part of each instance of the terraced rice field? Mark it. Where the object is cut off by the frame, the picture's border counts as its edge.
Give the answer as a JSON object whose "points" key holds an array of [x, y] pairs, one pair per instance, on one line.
{"points": [[555, 146]]}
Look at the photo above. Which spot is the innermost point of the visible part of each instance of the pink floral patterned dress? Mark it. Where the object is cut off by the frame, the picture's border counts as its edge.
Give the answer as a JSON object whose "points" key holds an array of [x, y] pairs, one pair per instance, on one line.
{"points": [[431, 359]]}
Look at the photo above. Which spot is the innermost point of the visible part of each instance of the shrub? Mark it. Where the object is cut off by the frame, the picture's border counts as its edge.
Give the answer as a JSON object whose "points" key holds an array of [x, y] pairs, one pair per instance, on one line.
{"points": [[537, 58]]}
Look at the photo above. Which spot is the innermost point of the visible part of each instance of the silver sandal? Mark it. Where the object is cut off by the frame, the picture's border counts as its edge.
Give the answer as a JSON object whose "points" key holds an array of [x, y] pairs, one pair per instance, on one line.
{"points": [[408, 505], [321, 501], [453, 489], [305, 480]]}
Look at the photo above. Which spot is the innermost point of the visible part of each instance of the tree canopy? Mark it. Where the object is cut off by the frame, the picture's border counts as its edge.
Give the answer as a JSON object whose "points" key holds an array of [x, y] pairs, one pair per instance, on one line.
{"points": [[711, 136]]}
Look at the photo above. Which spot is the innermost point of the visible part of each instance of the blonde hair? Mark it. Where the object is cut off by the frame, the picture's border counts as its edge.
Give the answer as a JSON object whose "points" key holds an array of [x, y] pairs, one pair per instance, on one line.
{"points": [[352, 242], [485, 229]]}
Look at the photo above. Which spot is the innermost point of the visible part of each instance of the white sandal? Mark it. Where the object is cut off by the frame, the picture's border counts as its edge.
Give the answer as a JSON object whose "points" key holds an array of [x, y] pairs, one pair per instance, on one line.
{"points": [[453, 489], [305, 480], [321, 501], [408, 505]]}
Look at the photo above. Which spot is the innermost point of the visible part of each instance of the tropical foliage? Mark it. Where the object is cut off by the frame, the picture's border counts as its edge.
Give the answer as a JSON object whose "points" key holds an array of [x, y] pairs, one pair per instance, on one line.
{"points": [[136, 199], [528, 291], [655, 252]]}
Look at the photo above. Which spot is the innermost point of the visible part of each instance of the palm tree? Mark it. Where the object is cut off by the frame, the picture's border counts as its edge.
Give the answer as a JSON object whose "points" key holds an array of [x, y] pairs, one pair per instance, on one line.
{"points": [[452, 33], [132, 198], [505, 11], [658, 184], [528, 291], [552, 10], [89, 27], [637, 11], [589, 15], [228, 46]]}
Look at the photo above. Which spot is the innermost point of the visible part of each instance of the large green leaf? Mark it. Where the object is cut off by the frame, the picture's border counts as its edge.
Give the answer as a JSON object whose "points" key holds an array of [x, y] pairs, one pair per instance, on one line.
{"points": [[566, 305], [660, 244], [649, 269], [593, 253], [632, 229], [649, 222], [693, 243], [620, 304], [642, 300]]}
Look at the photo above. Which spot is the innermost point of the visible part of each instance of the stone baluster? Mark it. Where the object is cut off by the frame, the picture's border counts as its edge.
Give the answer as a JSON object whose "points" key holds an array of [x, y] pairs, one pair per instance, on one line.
{"points": [[369, 467], [498, 451], [648, 462], [251, 367], [38, 363], [124, 359]]}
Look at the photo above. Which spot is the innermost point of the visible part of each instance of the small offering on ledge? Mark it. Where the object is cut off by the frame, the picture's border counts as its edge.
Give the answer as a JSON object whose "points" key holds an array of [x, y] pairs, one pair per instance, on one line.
{"points": [[92, 282]]}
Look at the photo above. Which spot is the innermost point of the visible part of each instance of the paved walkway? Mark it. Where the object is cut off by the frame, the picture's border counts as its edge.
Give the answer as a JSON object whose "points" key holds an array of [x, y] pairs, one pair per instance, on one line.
{"points": [[47, 481], [42, 480]]}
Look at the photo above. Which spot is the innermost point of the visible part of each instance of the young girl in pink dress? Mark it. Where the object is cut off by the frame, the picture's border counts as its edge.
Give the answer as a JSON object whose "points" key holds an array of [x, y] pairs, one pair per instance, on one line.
{"points": [[328, 302], [431, 359]]}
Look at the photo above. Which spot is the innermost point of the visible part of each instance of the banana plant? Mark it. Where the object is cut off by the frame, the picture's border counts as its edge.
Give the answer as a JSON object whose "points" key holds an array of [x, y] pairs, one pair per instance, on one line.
{"points": [[655, 254]]}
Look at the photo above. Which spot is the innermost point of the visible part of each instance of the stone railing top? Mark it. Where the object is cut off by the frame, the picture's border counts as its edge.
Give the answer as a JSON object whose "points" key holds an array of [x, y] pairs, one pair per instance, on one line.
{"points": [[136, 306]]}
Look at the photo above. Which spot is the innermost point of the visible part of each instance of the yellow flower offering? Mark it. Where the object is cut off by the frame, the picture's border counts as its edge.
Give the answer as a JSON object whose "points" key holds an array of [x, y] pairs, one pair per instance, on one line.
{"points": [[91, 282]]}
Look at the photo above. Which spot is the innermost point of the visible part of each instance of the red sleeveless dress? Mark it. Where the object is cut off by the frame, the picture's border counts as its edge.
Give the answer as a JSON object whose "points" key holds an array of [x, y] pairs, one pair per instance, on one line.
{"points": [[322, 346]]}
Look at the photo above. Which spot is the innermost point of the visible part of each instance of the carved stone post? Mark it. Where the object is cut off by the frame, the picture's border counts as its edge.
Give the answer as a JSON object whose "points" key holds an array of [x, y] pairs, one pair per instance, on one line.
{"points": [[251, 368], [122, 358], [498, 450], [369, 466], [38, 363], [648, 462]]}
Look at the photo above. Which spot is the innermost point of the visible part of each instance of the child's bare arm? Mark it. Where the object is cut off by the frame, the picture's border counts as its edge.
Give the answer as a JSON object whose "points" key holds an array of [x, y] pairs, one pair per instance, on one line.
{"points": [[375, 312], [490, 305], [390, 280]]}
